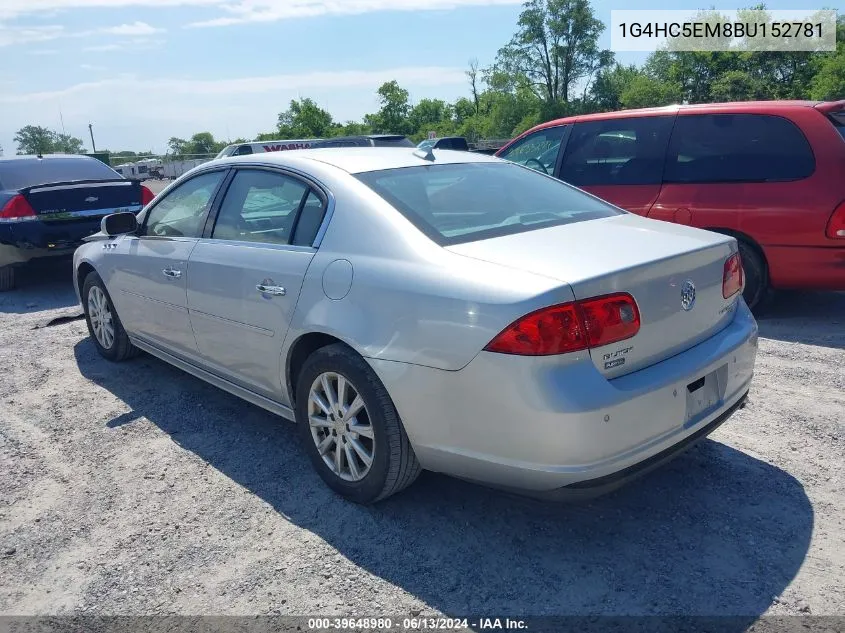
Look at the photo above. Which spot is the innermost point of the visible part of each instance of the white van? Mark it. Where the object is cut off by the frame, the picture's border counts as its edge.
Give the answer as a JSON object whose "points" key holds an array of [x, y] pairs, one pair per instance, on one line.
{"points": [[241, 149]]}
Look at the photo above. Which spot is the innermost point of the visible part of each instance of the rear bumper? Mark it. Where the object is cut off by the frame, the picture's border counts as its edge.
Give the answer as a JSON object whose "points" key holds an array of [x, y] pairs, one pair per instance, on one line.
{"points": [[21, 242], [806, 267], [555, 425]]}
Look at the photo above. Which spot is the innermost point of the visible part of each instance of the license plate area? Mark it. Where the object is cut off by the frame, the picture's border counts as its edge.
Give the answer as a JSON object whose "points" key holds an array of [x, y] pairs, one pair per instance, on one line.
{"points": [[704, 395]]}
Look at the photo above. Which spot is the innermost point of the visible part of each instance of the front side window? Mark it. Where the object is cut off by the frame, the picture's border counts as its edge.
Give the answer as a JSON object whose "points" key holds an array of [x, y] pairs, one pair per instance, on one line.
{"points": [[538, 150], [627, 151], [711, 148], [182, 212], [260, 206], [464, 202]]}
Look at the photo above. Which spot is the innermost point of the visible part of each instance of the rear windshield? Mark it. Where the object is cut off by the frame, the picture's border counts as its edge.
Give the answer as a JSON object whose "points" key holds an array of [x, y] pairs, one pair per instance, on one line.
{"points": [[465, 202], [393, 141], [21, 173]]}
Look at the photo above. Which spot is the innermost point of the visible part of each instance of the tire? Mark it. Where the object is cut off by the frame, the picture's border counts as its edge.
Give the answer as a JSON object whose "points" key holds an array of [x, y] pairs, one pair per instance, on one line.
{"points": [[119, 347], [393, 466], [7, 278], [756, 275]]}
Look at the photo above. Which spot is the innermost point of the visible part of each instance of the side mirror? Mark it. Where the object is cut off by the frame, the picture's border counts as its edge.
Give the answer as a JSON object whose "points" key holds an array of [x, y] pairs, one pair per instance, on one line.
{"points": [[119, 224]]}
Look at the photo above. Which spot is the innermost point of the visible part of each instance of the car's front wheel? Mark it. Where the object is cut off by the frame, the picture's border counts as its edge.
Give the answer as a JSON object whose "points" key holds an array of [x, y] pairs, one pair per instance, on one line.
{"points": [[350, 427], [104, 325]]}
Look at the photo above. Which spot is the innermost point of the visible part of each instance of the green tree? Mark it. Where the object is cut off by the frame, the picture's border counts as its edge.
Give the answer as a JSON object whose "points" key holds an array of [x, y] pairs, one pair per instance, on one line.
{"points": [[430, 115], [67, 144], [392, 118], [555, 47], [304, 119], [34, 139], [204, 143], [178, 146], [738, 85], [828, 83]]}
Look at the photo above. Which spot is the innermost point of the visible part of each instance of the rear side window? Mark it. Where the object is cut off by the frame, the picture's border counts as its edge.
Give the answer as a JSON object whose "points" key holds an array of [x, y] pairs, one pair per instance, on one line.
{"points": [[838, 121], [627, 151], [263, 206], [464, 202], [21, 173], [538, 150], [711, 148]]}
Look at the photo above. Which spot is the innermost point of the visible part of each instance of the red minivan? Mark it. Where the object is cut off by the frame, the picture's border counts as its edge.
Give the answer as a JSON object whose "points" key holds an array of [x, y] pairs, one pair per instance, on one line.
{"points": [[770, 173]]}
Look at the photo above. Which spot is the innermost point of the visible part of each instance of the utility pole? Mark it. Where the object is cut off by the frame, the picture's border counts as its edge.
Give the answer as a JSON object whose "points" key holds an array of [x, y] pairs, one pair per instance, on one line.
{"points": [[91, 130]]}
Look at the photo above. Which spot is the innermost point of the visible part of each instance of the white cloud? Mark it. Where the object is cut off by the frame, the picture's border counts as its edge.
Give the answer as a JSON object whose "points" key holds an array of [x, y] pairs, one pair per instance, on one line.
{"points": [[25, 35], [239, 87], [17, 8], [13, 35], [243, 11], [92, 67], [139, 112], [102, 48], [136, 28]]}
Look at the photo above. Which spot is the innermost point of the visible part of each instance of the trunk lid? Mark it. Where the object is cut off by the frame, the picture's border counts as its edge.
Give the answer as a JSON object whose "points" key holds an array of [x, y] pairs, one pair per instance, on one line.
{"points": [[649, 259], [83, 200]]}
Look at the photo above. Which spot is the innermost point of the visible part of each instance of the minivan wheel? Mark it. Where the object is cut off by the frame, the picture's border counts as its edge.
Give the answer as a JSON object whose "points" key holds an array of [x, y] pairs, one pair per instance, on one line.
{"points": [[350, 427], [756, 275], [104, 325], [7, 278]]}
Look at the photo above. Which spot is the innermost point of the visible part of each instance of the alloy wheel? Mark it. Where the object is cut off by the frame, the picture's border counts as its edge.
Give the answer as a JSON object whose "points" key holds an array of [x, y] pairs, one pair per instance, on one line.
{"points": [[101, 317], [340, 426]]}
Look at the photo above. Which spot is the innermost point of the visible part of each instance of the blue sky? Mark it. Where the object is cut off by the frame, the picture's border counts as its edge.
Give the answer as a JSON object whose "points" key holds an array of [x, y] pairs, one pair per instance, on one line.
{"points": [[144, 70]]}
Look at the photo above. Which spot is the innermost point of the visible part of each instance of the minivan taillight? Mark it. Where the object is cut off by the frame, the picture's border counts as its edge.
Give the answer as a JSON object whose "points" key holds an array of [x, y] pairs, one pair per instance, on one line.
{"points": [[17, 209], [146, 195], [732, 277], [570, 327], [836, 224]]}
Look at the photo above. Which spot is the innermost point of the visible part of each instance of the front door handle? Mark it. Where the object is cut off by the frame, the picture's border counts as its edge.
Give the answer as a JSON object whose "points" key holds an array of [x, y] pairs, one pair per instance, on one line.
{"points": [[276, 291], [170, 272]]}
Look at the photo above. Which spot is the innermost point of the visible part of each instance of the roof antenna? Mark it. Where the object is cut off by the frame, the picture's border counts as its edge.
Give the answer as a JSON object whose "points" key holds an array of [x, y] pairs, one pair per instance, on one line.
{"points": [[425, 154]]}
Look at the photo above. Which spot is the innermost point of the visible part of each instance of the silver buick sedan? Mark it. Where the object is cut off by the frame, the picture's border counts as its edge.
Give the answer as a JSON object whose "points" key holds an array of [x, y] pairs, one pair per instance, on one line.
{"points": [[437, 310]]}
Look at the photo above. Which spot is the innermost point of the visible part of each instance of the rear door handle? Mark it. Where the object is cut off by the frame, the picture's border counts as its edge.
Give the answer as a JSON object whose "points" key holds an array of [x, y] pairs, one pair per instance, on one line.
{"points": [[276, 291], [170, 272]]}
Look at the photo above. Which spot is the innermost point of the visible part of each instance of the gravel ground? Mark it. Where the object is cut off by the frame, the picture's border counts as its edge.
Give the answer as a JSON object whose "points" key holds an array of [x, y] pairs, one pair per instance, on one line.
{"points": [[137, 489]]}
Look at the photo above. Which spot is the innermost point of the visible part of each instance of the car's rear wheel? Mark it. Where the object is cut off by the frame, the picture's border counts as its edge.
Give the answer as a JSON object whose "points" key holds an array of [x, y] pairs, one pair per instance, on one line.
{"points": [[756, 275], [104, 325], [350, 427], [7, 278]]}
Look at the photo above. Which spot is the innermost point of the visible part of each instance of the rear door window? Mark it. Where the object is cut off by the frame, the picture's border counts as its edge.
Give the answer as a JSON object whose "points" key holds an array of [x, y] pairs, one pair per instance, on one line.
{"points": [[261, 206], [627, 151], [713, 148], [538, 150]]}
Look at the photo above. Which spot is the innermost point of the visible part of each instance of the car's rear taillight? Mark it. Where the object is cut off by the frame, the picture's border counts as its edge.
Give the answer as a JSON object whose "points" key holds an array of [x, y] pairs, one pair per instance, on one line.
{"points": [[146, 195], [17, 209], [570, 327], [732, 277], [836, 224], [553, 330], [610, 319]]}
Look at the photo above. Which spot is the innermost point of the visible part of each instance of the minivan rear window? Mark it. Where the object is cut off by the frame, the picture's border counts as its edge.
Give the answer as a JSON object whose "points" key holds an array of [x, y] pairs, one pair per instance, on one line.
{"points": [[464, 202], [711, 148]]}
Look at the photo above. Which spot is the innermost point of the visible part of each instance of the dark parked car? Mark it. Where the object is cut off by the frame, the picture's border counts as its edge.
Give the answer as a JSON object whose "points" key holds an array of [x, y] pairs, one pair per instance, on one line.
{"points": [[366, 140], [458, 143], [48, 204], [768, 173]]}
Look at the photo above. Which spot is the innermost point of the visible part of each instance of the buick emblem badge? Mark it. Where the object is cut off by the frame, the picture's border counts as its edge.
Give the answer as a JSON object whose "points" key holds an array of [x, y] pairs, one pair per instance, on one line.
{"points": [[687, 295]]}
